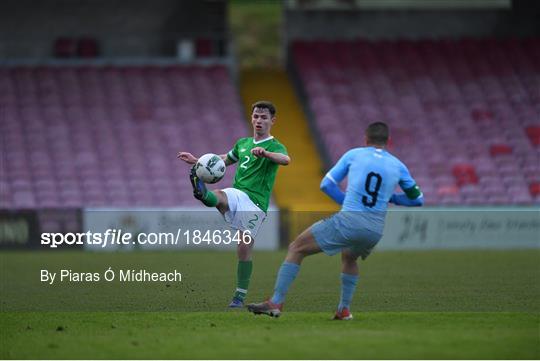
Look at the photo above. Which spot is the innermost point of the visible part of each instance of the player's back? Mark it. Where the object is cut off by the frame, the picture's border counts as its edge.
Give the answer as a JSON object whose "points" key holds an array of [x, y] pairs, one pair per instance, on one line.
{"points": [[373, 175]]}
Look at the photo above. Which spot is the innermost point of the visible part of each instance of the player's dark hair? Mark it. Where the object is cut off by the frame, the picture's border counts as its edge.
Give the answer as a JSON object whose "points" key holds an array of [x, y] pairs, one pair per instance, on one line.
{"points": [[377, 133], [264, 104]]}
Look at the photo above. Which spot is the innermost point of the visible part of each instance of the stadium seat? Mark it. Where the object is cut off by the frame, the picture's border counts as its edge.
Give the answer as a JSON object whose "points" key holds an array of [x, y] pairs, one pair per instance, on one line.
{"points": [[87, 48], [448, 102], [533, 132], [64, 47], [534, 188], [464, 174], [500, 149], [203, 47], [109, 135]]}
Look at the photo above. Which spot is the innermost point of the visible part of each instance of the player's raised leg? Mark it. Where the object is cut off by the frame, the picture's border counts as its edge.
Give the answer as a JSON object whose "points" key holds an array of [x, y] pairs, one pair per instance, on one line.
{"points": [[200, 192], [349, 279], [303, 246]]}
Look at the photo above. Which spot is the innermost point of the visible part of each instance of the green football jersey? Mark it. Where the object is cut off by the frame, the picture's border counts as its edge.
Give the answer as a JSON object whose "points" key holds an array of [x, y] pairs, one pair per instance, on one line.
{"points": [[255, 176]]}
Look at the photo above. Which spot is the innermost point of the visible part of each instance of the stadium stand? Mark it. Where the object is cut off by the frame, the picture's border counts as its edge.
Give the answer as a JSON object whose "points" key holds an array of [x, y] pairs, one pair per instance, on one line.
{"points": [[75, 136], [465, 114]]}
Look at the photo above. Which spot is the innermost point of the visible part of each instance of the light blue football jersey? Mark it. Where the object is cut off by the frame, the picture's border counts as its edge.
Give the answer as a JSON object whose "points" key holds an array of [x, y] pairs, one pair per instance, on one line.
{"points": [[373, 175]]}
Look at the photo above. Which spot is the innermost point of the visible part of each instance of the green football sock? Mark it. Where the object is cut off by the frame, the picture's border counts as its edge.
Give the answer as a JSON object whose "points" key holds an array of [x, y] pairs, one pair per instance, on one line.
{"points": [[243, 276], [210, 199]]}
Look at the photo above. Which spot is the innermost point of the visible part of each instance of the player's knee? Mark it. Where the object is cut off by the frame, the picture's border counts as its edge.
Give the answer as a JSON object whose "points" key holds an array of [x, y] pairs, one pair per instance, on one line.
{"points": [[223, 205], [221, 196], [244, 252], [291, 247], [349, 259], [297, 248], [294, 247], [295, 254], [349, 263]]}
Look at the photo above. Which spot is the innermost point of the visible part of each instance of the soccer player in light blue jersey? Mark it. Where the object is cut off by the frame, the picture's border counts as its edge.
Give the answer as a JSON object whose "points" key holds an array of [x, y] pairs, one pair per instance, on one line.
{"points": [[373, 174]]}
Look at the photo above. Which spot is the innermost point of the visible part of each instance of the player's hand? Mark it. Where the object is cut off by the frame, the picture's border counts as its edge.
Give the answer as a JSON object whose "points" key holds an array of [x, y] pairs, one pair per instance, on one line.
{"points": [[187, 157], [259, 152]]}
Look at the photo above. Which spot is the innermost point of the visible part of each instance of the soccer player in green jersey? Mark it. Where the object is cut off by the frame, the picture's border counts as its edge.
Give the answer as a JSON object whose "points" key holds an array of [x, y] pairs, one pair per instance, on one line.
{"points": [[244, 205]]}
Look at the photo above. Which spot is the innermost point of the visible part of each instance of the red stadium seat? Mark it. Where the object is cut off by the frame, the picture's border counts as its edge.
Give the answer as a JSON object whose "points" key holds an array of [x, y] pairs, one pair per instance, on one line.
{"points": [[481, 115], [500, 149], [464, 174], [534, 189], [64, 48], [87, 48], [203, 47], [533, 132]]}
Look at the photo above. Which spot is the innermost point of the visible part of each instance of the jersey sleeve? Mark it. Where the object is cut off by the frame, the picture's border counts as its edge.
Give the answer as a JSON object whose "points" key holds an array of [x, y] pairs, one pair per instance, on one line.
{"points": [[279, 148], [233, 153], [341, 168], [408, 184]]}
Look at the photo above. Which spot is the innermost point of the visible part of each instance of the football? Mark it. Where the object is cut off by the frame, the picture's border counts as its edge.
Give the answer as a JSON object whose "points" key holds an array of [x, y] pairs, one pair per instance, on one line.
{"points": [[210, 168]]}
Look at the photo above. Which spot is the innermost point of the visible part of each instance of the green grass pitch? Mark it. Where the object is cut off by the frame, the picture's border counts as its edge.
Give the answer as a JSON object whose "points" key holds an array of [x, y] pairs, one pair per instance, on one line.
{"points": [[436, 304]]}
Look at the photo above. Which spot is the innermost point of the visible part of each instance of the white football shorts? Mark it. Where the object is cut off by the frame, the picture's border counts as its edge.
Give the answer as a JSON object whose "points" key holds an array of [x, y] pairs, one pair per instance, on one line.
{"points": [[243, 214]]}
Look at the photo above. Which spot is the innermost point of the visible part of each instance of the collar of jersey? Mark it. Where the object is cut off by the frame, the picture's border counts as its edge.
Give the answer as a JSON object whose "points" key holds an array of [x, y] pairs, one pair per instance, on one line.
{"points": [[262, 140]]}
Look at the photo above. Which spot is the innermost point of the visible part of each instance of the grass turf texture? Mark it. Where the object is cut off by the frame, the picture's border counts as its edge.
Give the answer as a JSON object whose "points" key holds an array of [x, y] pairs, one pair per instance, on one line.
{"points": [[441, 304]]}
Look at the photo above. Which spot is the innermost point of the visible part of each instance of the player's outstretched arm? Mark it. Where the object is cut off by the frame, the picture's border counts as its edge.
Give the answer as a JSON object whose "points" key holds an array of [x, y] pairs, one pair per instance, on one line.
{"points": [[279, 158], [332, 179], [191, 159], [187, 157], [411, 198], [226, 159], [332, 189]]}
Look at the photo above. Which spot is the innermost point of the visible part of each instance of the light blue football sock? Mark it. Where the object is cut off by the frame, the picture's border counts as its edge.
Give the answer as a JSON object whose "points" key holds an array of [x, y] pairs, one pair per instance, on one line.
{"points": [[286, 275], [348, 286]]}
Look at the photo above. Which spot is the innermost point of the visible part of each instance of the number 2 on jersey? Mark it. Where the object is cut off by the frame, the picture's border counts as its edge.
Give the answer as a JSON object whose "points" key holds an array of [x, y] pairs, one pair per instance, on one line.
{"points": [[373, 193], [244, 163]]}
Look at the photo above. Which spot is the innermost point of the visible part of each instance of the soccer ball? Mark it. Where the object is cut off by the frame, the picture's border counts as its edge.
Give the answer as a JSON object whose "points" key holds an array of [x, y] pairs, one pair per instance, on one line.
{"points": [[210, 168]]}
